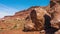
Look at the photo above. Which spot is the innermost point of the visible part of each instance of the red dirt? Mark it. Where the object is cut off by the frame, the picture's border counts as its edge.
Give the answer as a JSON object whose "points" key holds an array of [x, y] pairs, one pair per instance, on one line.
{"points": [[18, 32]]}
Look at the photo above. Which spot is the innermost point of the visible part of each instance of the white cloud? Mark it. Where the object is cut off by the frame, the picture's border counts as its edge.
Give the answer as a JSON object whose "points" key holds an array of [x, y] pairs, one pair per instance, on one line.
{"points": [[2, 14], [5, 10]]}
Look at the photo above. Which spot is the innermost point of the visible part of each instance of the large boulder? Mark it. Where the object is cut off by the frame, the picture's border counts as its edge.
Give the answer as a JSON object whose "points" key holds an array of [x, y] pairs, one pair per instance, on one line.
{"points": [[36, 17]]}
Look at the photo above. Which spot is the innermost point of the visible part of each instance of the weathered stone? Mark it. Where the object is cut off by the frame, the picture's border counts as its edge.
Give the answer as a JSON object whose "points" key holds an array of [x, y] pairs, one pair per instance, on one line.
{"points": [[55, 21], [57, 32], [37, 18]]}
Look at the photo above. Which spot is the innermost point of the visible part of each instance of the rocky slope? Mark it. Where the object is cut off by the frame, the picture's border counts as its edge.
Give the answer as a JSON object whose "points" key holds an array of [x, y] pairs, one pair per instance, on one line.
{"points": [[31, 19], [34, 20]]}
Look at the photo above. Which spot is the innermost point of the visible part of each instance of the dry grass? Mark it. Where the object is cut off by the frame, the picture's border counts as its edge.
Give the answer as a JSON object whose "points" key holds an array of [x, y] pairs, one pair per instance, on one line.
{"points": [[13, 24]]}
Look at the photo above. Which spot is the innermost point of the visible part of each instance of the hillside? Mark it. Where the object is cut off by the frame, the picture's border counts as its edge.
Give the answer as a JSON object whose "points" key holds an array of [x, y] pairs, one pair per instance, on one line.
{"points": [[34, 20]]}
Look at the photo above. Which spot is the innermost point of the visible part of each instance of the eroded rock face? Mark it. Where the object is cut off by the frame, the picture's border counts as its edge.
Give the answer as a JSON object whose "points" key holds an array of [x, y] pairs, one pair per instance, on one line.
{"points": [[37, 18], [55, 22]]}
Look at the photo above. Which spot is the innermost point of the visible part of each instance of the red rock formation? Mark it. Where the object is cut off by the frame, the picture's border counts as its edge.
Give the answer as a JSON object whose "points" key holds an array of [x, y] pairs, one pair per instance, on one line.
{"points": [[55, 22], [35, 20], [37, 17], [33, 16]]}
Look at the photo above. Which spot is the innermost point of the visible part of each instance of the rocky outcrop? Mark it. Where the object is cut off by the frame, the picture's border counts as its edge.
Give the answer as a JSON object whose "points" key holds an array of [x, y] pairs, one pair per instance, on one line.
{"points": [[45, 20], [33, 19], [55, 8], [37, 18]]}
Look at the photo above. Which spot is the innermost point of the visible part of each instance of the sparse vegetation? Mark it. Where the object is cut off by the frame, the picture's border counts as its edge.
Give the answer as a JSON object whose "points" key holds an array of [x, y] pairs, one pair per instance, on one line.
{"points": [[14, 23]]}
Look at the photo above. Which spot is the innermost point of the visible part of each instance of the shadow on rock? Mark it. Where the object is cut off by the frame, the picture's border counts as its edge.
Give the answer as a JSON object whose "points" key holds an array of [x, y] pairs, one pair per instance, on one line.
{"points": [[48, 28]]}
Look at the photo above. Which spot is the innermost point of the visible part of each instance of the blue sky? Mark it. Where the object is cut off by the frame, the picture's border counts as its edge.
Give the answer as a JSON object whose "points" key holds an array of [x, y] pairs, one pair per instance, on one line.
{"points": [[9, 7]]}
